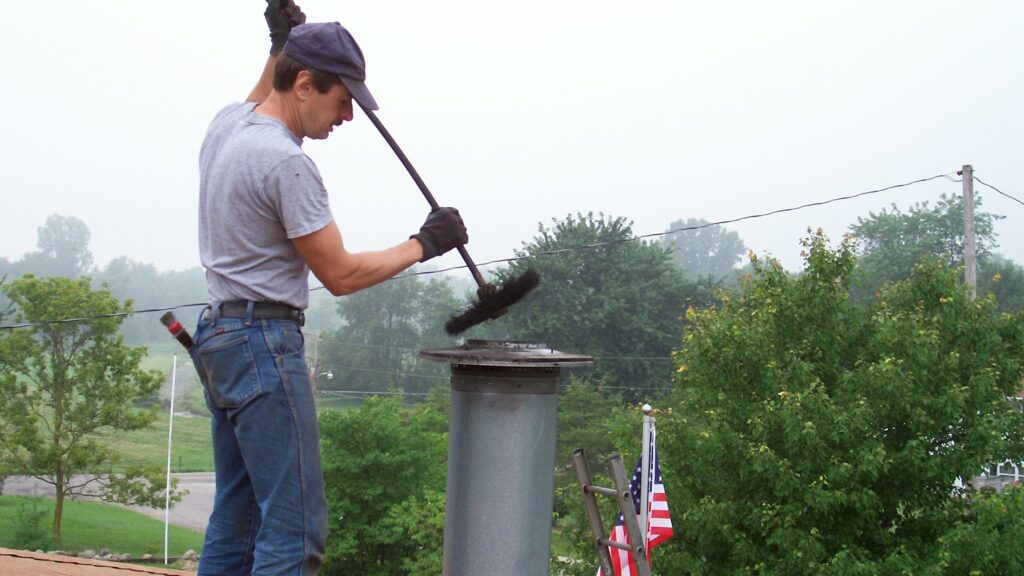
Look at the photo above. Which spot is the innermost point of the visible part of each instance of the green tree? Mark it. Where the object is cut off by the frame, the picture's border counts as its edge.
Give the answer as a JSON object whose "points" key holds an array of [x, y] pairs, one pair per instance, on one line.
{"points": [[893, 242], [704, 251], [986, 540], [1004, 280], [815, 436], [64, 385], [585, 412], [63, 243], [384, 466], [605, 295], [6, 306], [384, 329], [150, 288]]}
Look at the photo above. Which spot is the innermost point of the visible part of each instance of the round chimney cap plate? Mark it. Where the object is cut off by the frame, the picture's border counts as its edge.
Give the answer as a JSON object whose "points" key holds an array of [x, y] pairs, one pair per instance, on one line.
{"points": [[497, 353]]}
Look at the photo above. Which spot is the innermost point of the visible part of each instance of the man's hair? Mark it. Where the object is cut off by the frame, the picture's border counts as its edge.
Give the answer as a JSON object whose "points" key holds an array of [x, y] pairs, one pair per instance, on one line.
{"points": [[287, 70]]}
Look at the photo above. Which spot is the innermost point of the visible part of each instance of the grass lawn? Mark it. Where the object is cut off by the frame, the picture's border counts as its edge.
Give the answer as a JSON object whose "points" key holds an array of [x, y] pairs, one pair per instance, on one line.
{"points": [[94, 526], [191, 451], [161, 357]]}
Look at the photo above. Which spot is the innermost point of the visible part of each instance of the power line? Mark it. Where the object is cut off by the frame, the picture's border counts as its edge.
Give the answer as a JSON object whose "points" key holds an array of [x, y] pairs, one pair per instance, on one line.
{"points": [[691, 228], [358, 393], [980, 181], [387, 372], [97, 316], [547, 253]]}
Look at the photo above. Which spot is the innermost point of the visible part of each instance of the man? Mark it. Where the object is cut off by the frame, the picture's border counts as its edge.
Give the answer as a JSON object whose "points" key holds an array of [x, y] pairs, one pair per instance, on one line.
{"points": [[264, 223]]}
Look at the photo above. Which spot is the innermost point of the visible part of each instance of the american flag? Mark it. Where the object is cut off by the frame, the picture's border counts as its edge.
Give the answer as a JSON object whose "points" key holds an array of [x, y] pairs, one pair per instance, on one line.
{"points": [[659, 523]]}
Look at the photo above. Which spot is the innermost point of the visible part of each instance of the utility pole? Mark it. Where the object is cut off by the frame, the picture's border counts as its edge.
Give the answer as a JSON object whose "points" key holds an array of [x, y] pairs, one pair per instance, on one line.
{"points": [[970, 248]]}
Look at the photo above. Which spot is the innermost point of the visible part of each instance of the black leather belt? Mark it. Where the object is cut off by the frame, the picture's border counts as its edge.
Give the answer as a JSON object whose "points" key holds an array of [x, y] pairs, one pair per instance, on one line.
{"points": [[260, 311]]}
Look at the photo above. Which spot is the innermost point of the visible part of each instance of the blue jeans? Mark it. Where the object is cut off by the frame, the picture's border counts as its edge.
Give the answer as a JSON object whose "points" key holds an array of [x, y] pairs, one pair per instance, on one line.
{"points": [[269, 511]]}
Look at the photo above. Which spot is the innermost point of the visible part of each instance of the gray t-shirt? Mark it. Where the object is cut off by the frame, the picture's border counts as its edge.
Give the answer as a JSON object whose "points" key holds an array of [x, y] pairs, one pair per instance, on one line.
{"points": [[257, 191]]}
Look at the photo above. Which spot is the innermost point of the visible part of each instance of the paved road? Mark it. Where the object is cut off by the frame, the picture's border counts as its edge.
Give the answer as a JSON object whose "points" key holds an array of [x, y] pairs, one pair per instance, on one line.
{"points": [[192, 512]]}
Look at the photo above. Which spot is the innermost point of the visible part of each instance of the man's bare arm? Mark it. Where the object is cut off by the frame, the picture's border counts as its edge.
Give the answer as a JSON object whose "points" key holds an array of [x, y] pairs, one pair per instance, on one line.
{"points": [[343, 272], [281, 17]]}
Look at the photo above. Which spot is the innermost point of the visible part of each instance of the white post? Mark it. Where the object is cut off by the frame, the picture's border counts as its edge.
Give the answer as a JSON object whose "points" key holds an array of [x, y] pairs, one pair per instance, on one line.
{"points": [[645, 471], [170, 433]]}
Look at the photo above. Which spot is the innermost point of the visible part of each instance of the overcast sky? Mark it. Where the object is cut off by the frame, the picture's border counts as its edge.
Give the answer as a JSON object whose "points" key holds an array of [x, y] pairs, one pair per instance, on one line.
{"points": [[520, 112]]}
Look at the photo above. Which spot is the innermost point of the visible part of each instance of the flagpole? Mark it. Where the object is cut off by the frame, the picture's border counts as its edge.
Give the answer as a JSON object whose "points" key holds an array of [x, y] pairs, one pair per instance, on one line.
{"points": [[645, 471], [170, 435]]}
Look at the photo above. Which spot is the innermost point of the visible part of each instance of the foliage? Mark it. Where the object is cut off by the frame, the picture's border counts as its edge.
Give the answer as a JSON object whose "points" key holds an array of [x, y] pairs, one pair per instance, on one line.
{"points": [[1004, 280], [63, 250], [321, 316], [150, 288], [703, 250], [987, 538], [63, 243], [421, 522], [6, 306], [589, 417], [814, 436], [384, 329], [63, 384], [619, 299], [29, 532], [893, 242], [621, 429], [384, 466]]}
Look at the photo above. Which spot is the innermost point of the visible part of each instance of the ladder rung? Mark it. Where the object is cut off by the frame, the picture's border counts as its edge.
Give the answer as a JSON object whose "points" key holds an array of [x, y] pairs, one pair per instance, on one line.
{"points": [[600, 490], [620, 545]]}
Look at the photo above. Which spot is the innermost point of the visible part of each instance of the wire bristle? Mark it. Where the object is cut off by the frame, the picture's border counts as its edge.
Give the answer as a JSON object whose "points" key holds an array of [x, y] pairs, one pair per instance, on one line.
{"points": [[487, 307]]}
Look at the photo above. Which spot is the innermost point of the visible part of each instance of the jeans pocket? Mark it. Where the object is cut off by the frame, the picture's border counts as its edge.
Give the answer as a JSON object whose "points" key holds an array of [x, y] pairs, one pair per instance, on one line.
{"points": [[232, 379]]}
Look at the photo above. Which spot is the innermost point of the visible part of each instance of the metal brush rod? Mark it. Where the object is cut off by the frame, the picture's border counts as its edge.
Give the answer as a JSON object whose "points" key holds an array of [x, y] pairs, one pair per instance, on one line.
{"points": [[423, 188]]}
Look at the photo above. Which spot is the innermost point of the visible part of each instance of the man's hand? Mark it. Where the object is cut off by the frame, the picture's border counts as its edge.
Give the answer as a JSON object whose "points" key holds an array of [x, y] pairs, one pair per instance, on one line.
{"points": [[281, 16], [442, 231]]}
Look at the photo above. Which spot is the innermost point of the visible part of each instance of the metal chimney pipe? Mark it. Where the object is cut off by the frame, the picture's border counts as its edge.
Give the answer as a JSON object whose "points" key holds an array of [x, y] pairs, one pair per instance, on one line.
{"points": [[501, 456]]}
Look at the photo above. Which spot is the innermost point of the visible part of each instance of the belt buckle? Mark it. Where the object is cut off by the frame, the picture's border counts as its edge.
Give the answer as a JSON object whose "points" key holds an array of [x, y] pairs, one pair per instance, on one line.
{"points": [[301, 318]]}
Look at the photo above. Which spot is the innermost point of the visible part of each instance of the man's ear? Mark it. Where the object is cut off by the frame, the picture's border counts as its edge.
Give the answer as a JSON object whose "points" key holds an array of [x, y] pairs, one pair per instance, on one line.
{"points": [[303, 85]]}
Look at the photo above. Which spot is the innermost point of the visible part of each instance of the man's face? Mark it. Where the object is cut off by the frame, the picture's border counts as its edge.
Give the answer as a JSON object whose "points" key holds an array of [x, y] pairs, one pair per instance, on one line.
{"points": [[322, 112]]}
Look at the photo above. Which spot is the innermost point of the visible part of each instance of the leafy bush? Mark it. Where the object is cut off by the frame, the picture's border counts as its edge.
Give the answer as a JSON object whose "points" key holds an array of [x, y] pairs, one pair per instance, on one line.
{"points": [[30, 530]]}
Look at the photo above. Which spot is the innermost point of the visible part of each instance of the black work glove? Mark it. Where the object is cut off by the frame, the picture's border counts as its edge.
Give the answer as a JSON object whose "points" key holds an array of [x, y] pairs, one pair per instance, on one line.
{"points": [[281, 16], [442, 231]]}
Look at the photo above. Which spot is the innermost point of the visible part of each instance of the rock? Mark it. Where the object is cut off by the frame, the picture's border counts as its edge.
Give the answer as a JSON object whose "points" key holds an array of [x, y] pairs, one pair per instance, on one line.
{"points": [[104, 552], [189, 565], [190, 556], [39, 551], [147, 556], [87, 554]]}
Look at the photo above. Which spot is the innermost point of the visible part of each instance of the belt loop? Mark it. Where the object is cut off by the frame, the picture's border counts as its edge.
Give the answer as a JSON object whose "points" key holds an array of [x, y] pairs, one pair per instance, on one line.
{"points": [[250, 306]]}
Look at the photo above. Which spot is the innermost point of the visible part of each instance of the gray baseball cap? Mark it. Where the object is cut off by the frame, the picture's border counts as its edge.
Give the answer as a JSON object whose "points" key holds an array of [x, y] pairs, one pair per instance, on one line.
{"points": [[330, 48]]}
